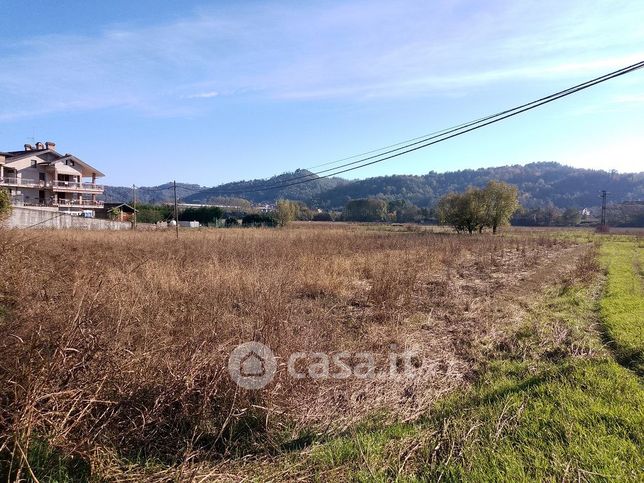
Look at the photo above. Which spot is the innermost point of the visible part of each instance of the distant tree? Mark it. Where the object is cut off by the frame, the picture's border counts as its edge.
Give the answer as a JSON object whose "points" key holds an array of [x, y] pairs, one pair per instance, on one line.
{"points": [[570, 217], [304, 213], [323, 216], [403, 211], [260, 219], [5, 204], [286, 211], [202, 214], [114, 214], [448, 212], [472, 210], [367, 209], [550, 214], [148, 213], [463, 211], [499, 202]]}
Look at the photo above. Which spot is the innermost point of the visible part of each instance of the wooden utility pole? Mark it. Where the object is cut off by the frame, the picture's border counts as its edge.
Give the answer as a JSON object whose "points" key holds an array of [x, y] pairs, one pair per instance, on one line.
{"points": [[134, 205], [603, 220], [176, 211]]}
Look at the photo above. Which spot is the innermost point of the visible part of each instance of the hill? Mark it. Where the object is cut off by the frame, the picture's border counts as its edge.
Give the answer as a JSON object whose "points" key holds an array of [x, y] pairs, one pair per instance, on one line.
{"points": [[252, 190], [540, 184], [150, 194]]}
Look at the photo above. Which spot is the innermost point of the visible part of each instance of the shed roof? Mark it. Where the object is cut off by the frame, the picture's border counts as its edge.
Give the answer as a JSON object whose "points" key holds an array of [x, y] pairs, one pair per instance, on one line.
{"points": [[124, 207]]}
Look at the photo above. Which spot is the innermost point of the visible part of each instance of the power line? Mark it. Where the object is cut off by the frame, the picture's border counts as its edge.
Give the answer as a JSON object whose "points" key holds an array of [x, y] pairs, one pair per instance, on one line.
{"points": [[442, 136], [407, 141]]}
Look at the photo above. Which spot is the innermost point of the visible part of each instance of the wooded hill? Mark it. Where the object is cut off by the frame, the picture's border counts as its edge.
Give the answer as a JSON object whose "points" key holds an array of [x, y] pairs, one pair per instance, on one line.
{"points": [[539, 184]]}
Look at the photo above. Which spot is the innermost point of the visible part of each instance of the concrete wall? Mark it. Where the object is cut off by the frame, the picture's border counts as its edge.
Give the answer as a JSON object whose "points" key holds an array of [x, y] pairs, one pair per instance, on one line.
{"points": [[25, 217]]}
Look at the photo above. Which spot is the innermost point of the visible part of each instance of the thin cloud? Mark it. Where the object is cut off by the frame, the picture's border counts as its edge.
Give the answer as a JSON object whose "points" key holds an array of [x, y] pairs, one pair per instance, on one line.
{"points": [[203, 95], [359, 50]]}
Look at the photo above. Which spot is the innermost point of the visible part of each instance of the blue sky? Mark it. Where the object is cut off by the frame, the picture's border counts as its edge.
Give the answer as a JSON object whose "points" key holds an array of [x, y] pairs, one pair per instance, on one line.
{"points": [[210, 92]]}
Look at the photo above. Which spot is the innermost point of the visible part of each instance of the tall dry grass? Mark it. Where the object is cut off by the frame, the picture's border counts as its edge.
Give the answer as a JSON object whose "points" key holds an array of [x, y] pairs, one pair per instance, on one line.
{"points": [[115, 344]]}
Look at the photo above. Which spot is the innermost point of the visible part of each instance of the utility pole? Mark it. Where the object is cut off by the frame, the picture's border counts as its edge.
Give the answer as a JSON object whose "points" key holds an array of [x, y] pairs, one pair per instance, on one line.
{"points": [[176, 211], [603, 220], [134, 204]]}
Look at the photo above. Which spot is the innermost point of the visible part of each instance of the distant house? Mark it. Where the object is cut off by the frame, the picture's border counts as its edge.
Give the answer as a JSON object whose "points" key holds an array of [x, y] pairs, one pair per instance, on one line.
{"points": [[40, 176], [116, 211]]}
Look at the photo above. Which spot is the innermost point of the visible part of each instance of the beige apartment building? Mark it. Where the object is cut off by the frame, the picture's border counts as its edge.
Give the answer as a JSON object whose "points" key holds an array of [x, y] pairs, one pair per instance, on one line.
{"points": [[40, 176]]}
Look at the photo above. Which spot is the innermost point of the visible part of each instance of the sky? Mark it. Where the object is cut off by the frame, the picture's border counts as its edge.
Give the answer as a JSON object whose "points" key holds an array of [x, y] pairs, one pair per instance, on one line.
{"points": [[202, 92]]}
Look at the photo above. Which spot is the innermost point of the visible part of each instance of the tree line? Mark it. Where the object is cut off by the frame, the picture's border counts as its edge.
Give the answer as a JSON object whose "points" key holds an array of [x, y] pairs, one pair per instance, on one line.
{"points": [[474, 209]]}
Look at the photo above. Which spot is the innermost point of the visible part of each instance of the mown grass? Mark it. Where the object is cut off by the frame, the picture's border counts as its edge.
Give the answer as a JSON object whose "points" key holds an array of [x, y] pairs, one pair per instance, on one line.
{"points": [[622, 307]]}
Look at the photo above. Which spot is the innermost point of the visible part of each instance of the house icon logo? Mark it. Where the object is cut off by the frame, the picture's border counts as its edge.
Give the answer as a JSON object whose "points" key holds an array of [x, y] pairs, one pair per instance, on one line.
{"points": [[252, 365]]}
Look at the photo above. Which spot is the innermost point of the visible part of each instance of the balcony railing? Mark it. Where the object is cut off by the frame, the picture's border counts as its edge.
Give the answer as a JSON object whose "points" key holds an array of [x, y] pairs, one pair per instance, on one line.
{"points": [[88, 203], [27, 183], [55, 185], [74, 186]]}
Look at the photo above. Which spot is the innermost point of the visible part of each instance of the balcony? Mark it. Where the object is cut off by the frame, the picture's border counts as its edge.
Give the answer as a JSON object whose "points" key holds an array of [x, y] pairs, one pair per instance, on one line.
{"points": [[21, 182], [62, 186], [74, 186], [76, 203]]}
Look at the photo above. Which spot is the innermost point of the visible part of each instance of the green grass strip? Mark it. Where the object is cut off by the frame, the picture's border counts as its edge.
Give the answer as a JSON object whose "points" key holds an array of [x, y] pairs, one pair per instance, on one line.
{"points": [[622, 306]]}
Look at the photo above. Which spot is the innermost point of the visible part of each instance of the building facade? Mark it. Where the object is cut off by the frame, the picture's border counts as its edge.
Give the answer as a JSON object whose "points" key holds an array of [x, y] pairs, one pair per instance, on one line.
{"points": [[40, 176]]}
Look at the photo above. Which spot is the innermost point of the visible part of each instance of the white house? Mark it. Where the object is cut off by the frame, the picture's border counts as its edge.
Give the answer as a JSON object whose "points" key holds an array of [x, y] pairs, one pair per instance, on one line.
{"points": [[41, 176]]}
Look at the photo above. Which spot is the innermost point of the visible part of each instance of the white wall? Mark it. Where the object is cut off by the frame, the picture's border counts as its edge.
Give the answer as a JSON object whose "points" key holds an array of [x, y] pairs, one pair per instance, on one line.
{"points": [[25, 217]]}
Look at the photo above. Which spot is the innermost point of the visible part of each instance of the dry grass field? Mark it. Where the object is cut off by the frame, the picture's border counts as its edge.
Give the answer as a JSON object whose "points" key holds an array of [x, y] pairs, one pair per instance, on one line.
{"points": [[115, 344]]}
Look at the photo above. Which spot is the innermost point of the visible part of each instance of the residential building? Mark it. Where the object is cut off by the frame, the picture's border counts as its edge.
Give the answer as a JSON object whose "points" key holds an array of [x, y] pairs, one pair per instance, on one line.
{"points": [[40, 176]]}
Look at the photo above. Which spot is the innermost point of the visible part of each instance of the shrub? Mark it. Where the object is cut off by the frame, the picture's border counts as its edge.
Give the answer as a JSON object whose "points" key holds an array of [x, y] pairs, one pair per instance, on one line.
{"points": [[5, 204]]}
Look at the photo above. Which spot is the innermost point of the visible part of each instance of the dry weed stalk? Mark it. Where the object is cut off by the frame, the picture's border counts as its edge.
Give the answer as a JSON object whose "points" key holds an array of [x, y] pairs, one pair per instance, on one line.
{"points": [[115, 344]]}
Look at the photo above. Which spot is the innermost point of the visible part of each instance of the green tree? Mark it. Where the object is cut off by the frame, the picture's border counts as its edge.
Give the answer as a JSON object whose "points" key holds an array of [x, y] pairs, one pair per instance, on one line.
{"points": [[5, 204], [403, 211], [114, 214], [202, 214], [499, 202], [259, 219], [570, 217], [153, 213], [366, 209], [463, 211], [286, 211]]}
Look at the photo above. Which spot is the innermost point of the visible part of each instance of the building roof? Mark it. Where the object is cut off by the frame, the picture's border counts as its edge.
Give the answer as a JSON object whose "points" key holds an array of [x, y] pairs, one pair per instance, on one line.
{"points": [[62, 168], [124, 207], [87, 170]]}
